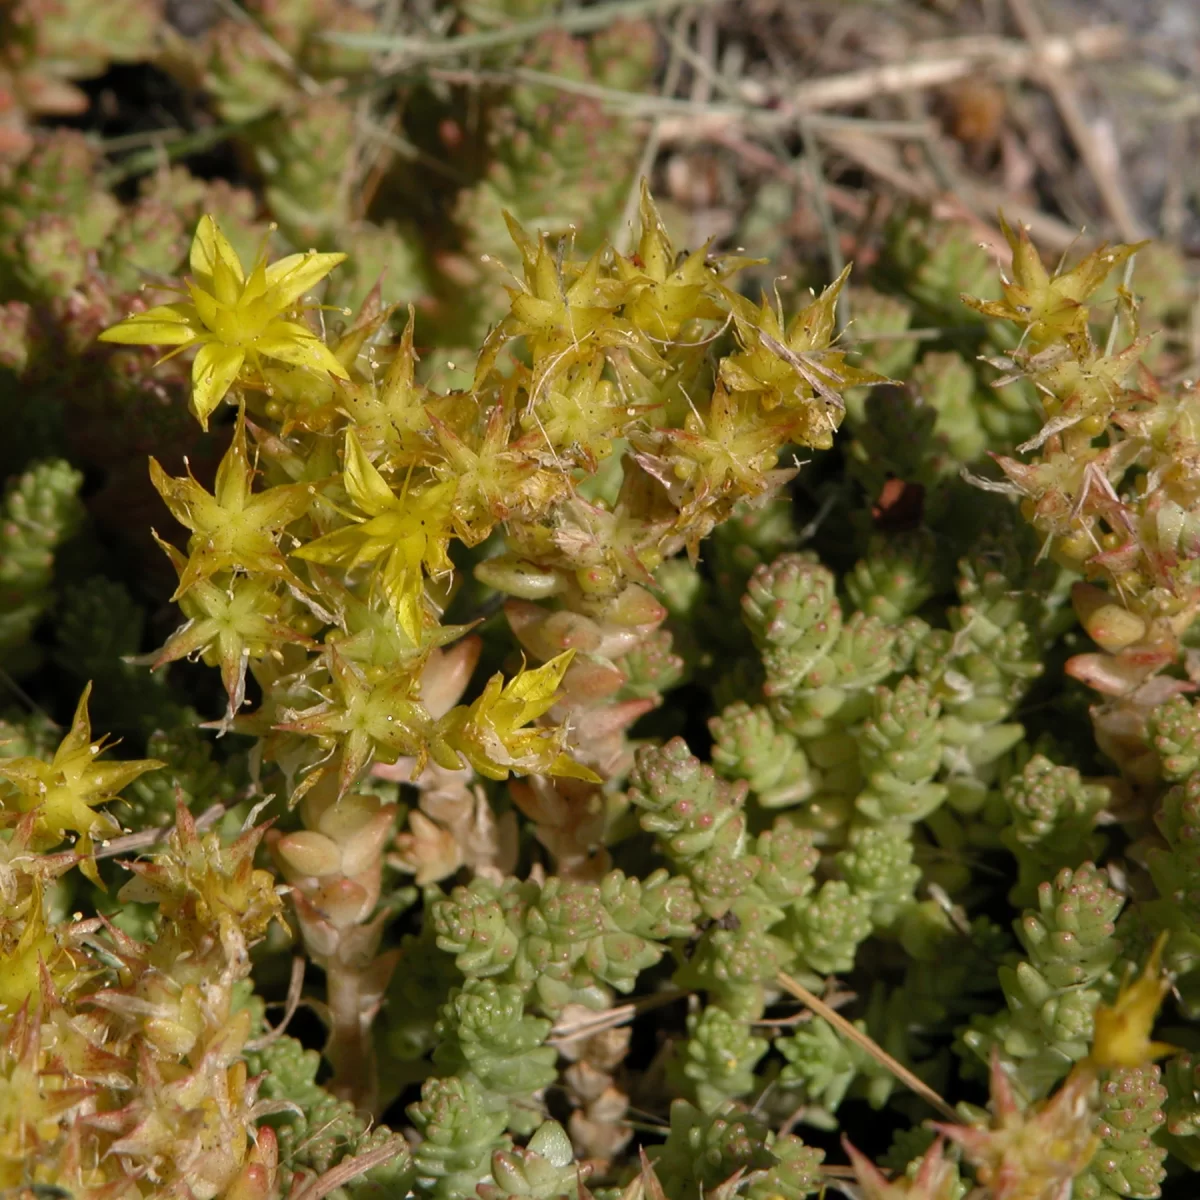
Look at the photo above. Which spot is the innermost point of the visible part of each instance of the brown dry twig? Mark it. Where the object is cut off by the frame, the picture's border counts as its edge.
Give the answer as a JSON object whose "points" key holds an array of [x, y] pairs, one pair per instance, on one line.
{"points": [[974, 203], [146, 838], [933, 64], [1059, 84], [872, 1047]]}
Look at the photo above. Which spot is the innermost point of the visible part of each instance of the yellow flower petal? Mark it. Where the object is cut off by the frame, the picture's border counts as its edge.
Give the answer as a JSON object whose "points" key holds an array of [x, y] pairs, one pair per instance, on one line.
{"points": [[231, 488], [213, 373], [364, 483], [166, 325], [292, 343], [79, 736], [566, 767], [207, 307], [537, 689], [410, 611], [291, 277], [209, 245], [1122, 1029], [338, 546], [227, 283]]}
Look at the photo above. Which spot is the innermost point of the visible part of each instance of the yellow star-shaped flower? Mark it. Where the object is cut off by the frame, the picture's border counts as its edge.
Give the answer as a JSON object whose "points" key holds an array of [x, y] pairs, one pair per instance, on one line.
{"points": [[407, 532], [235, 319], [233, 528], [64, 793], [1122, 1029], [496, 734]]}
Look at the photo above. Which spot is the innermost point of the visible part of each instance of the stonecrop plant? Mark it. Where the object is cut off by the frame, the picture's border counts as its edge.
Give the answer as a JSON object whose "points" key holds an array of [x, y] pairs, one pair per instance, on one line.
{"points": [[461, 628]]}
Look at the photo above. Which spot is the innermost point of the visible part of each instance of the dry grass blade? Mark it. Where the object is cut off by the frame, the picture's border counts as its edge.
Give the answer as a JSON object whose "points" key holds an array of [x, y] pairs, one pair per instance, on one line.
{"points": [[348, 1169], [146, 838], [975, 203], [833, 246], [295, 986], [623, 235], [934, 64], [1066, 99], [577, 20], [872, 1047], [809, 369], [576, 1029], [669, 110]]}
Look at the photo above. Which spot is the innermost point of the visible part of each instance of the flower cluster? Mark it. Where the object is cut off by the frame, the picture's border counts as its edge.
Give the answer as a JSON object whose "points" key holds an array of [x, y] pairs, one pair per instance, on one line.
{"points": [[617, 437], [474, 631]]}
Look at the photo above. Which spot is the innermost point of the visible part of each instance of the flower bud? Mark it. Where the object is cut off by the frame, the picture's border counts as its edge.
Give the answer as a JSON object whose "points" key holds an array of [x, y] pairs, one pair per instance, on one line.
{"points": [[1111, 626], [365, 846], [343, 903], [308, 853]]}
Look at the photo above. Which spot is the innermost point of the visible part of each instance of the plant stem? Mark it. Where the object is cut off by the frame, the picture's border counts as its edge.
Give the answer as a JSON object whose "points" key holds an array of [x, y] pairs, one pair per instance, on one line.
{"points": [[582, 20]]}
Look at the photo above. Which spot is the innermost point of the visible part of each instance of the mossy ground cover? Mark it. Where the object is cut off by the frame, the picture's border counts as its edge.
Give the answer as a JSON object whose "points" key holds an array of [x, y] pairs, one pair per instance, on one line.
{"points": [[579, 615]]}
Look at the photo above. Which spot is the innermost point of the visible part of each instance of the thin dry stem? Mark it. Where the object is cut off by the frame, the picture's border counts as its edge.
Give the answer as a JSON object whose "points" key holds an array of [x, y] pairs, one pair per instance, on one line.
{"points": [[974, 201], [146, 838], [1057, 81], [623, 234], [295, 987], [410, 50], [872, 1047], [348, 1169], [566, 1032], [933, 65]]}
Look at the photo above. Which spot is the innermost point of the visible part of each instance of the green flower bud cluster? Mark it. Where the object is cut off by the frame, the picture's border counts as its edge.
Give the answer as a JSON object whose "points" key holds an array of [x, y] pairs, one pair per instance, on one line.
{"points": [[820, 668], [900, 751], [1175, 867], [1052, 995], [460, 1132], [1052, 823], [1128, 1163], [316, 1130], [564, 942], [729, 1152], [40, 511], [877, 864], [716, 1062], [896, 576], [749, 745], [1181, 1131], [756, 890], [484, 1034], [825, 1065], [699, 821], [979, 668], [1173, 730]]}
